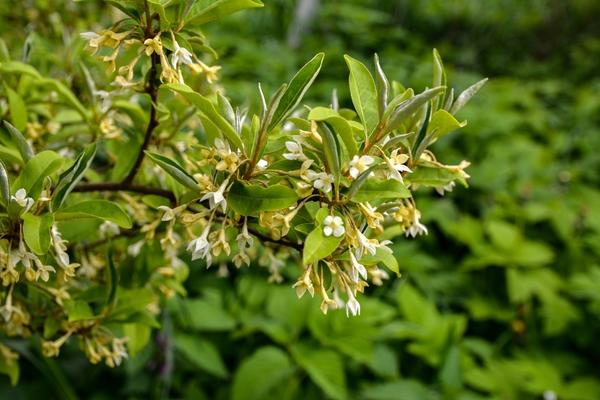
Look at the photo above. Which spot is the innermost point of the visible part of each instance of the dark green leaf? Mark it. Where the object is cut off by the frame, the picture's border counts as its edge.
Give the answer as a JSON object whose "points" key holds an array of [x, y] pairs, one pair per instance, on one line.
{"points": [[364, 94], [174, 169], [260, 373], [252, 199], [101, 209]]}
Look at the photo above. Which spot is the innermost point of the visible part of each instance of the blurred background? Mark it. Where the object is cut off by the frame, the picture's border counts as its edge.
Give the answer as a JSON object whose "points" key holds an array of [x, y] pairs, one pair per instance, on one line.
{"points": [[500, 301]]}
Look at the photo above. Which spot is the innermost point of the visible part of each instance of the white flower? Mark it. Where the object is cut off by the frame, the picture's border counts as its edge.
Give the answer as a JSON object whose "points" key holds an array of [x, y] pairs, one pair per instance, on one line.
{"points": [[443, 189], [200, 247], [261, 164], [352, 306], [357, 269], [359, 165], [549, 395], [295, 151], [89, 35], [169, 213], [181, 55], [216, 199], [417, 228], [134, 249], [108, 229], [396, 165], [20, 197], [366, 244], [322, 180], [333, 225]]}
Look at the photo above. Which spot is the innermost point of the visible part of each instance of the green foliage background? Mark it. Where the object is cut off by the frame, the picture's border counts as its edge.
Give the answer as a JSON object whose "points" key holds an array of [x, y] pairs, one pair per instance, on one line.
{"points": [[501, 300]]}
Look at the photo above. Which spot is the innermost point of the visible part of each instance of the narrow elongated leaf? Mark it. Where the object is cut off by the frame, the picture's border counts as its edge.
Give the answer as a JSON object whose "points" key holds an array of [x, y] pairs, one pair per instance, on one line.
{"points": [[17, 67], [466, 95], [206, 107], [72, 176], [363, 93], [209, 10], [340, 125], [439, 76], [252, 199], [410, 106], [174, 169], [332, 156], [112, 279], [383, 86], [36, 232], [36, 170], [100, 209], [260, 373], [18, 109], [442, 123], [4, 185], [22, 144], [375, 189], [296, 89], [324, 367], [65, 93]]}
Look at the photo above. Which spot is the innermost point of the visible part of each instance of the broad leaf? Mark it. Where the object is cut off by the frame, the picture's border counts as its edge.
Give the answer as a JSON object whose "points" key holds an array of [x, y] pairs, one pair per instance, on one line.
{"points": [[363, 93], [252, 199], [442, 123], [204, 11], [374, 189], [318, 246], [36, 232], [36, 170], [202, 353], [325, 368], [260, 373], [101, 209], [18, 109]]}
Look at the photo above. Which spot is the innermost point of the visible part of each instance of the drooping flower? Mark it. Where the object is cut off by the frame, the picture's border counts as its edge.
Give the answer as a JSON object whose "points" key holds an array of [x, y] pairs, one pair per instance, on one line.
{"points": [[181, 55], [417, 228], [217, 198], [365, 245], [357, 268], [352, 305], [20, 197], [333, 225], [200, 247], [359, 165]]}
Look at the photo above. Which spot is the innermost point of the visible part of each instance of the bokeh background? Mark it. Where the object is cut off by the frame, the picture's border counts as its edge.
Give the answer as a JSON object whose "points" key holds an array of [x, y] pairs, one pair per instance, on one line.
{"points": [[500, 301]]}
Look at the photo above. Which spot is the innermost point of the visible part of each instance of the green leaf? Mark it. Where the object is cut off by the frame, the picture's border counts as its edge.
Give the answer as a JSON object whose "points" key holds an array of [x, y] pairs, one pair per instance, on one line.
{"points": [[17, 67], [36, 232], [382, 256], [318, 246], [383, 86], [205, 106], [252, 199], [296, 89], [466, 95], [22, 144], [439, 76], [138, 335], [112, 279], [65, 93], [174, 169], [101, 209], [339, 124], [374, 189], [202, 353], [10, 367], [433, 176], [78, 310], [209, 10], [4, 186], [410, 106], [442, 123], [332, 156], [72, 176], [260, 373], [18, 109], [403, 389], [36, 170], [201, 315], [364, 94], [325, 368]]}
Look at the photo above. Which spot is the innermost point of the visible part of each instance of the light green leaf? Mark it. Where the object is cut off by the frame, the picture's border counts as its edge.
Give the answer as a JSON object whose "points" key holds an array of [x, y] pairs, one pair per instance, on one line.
{"points": [[10, 367], [202, 353], [171, 167], [339, 124], [318, 246], [296, 89], [410, 106], [439, 76], [36, 232], [138, 336], [252, 199], [442, 123], [204, 11], [382, 256], [260, 373], [331, 152], [17, 67], [78, 310], [364, 94], [201, 315], [205, 106], [466, 95], [325, 368], [433, 176], [4, 186], [101, 209], [403, 389], [18, 109], [383, 86], [36, 170], [22, 144], [65, 93], [374, 189]]}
